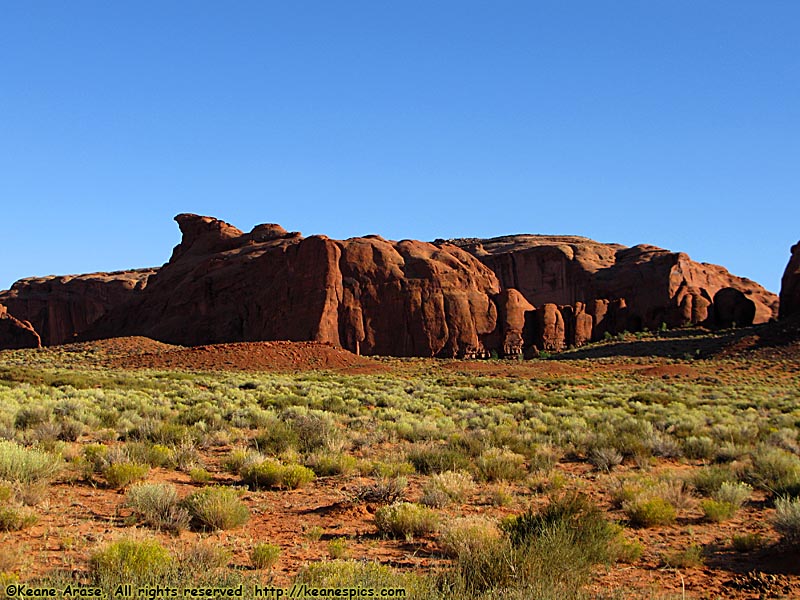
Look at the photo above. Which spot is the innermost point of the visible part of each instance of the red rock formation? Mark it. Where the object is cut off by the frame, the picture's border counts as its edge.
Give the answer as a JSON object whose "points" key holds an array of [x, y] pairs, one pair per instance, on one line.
{"points": [[15, 333], [578, 324], [368, 294], [511, 312], [656, 286], [375, 296], [61, 308], [549, 332], [790, 285]]}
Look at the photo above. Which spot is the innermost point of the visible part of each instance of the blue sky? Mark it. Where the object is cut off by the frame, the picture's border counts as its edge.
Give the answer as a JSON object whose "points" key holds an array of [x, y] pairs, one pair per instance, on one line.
{"points": [[671, 122]]}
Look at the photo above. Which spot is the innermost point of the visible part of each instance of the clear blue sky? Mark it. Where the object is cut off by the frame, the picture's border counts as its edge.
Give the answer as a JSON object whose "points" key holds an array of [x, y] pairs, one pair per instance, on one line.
{"points": [[671, 122]]}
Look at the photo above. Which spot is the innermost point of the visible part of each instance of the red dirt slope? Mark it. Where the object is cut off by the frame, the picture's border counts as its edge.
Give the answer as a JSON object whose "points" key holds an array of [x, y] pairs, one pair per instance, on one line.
{"points": [[248, 356]]}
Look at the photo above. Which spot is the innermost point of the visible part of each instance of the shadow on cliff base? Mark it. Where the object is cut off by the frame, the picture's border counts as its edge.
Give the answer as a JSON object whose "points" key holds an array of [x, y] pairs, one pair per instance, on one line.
{"points": [[776, 339]]}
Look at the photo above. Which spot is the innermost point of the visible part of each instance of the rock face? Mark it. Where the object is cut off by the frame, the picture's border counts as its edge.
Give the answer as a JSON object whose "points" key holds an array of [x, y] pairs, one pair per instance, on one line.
{"points": [[512, 311], [790, 285], [15, 333], [513, 295], [62, 308], [367, 294], [622, 288]]}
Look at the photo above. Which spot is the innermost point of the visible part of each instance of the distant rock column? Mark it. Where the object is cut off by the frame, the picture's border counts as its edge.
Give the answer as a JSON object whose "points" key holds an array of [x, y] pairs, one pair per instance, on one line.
{"points": [[790, 286]]}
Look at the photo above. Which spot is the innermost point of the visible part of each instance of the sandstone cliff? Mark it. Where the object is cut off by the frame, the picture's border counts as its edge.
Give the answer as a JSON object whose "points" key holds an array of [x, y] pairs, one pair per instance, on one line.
{"points": [[367, 294], [646, 285], [509, 295], [790, 285], [64, 307]]}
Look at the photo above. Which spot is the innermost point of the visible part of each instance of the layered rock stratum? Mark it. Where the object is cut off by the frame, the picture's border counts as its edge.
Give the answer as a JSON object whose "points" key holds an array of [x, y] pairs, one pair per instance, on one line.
{"points": [[465, 297]]}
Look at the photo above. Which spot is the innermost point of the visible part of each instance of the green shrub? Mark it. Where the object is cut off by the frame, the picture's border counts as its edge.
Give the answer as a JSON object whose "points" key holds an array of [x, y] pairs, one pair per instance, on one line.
{"points": [[120, 474], [501, 464], [30, 416], [157, 505], [675, 491], [263, 475], [546, 554], [483, 562], [130, 561], [735, 494], [270, 473], [264, 556], [70, 430], [774, 470], [314, 533], [216, 508], [203, 558], [708, 480], [624, 490], [654, 398], [199, 475], [325, 465], [392, 468], [467, 535], [690, 557], [296, 476], [702, 447], [14, 518], [429, 458], [544, 457], [168, 434], [185, 455], [21, 464], [96, 455], [238, 459], [407, 520], [649, 512], [717, 511], [154, 455], [628, 552], [6, 492], [573, 514], [747, 542], [337, 548], [500, 494], [314, 430], [276, 438], [435, 498], [442, 488], [787, 520]]}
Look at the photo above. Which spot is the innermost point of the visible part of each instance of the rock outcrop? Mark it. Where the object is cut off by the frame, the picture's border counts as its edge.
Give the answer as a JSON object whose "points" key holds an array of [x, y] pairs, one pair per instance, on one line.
{"points": [[512, 296], [512, 312], [369, 295], [790, 285], [62, 308], [16, 334], [641, 287]]}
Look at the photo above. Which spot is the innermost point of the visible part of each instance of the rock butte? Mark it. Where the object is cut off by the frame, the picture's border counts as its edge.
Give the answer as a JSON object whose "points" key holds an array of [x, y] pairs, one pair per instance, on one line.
{"points": [[450, 298], [790, 285]]}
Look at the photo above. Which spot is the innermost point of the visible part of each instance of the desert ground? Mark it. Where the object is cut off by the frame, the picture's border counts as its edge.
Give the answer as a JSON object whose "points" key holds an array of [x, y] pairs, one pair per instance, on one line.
{"points": [[647, 466]]}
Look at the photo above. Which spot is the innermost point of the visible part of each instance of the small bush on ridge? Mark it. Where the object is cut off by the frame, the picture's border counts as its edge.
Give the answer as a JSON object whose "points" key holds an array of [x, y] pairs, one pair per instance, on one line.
{"points": [[216, 508]]}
